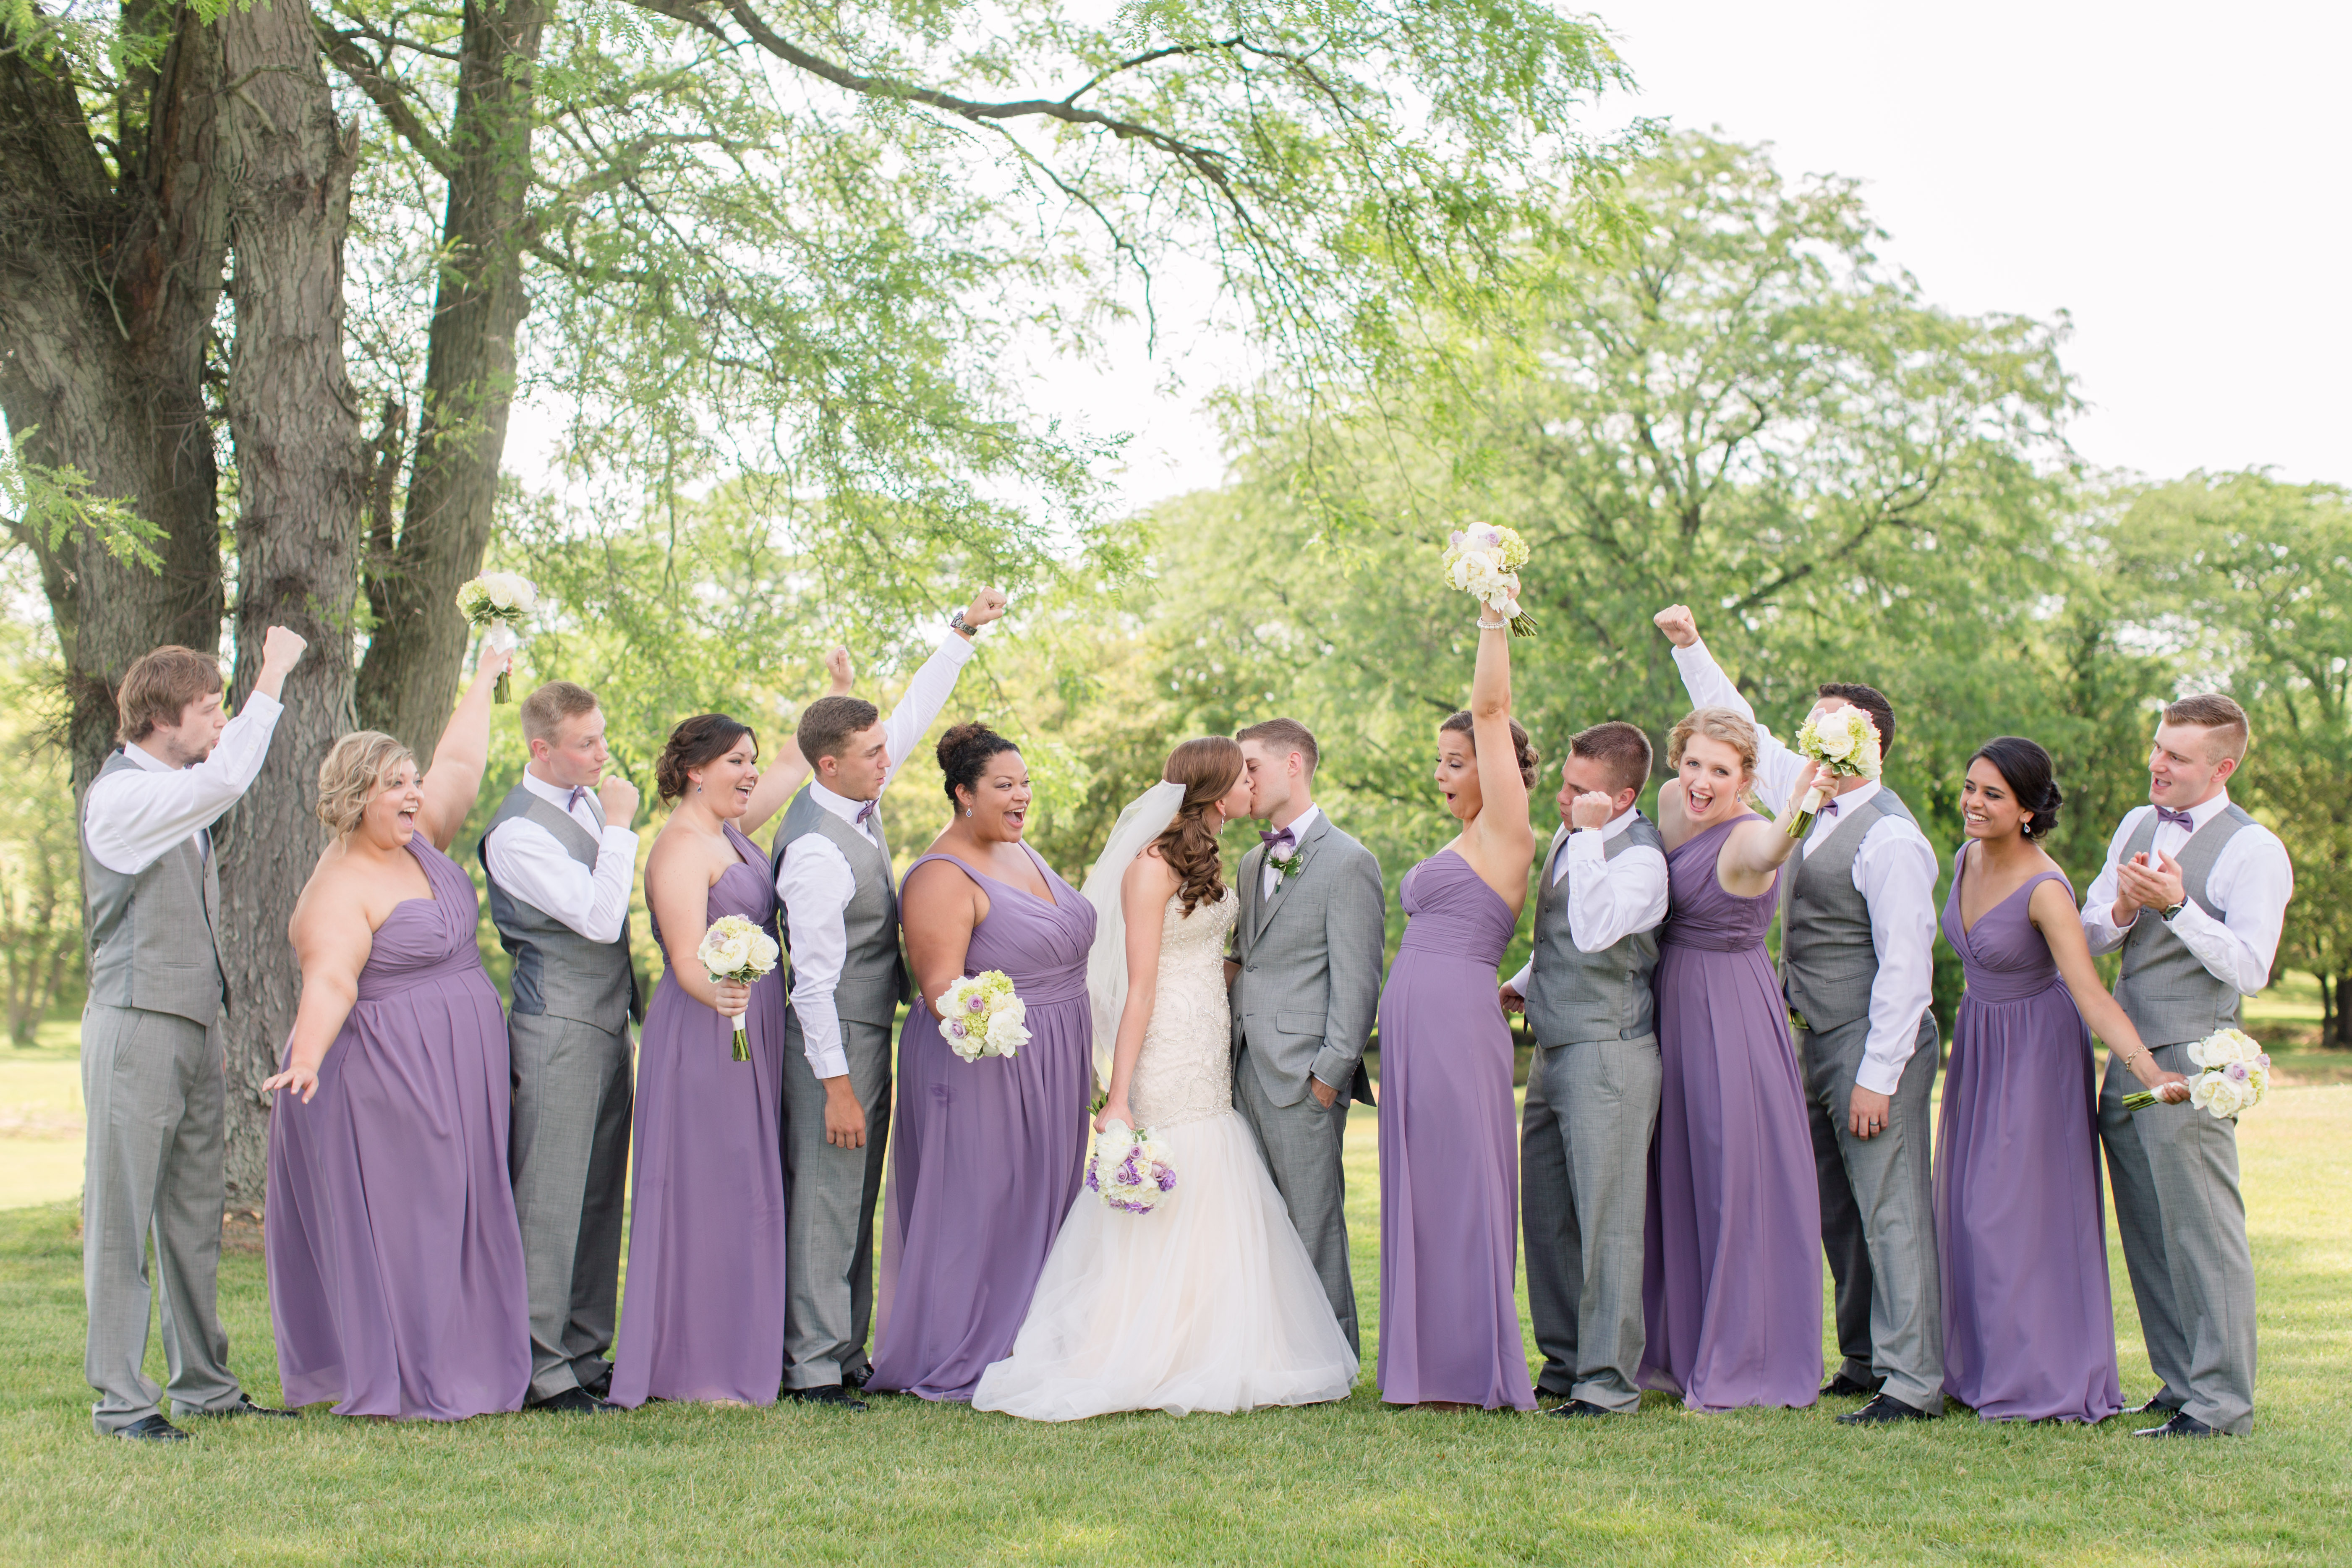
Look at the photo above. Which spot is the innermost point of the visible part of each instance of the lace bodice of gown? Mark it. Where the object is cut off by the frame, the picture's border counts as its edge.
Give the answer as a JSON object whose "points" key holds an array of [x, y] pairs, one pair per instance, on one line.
{"points": [[1185, 1072]]}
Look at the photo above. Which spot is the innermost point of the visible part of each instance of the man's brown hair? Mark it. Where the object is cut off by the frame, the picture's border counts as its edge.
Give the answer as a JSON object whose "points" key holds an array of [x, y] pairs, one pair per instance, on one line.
{"points": [[1620, 747], [827, 723], [545, 710], [159, 686], [1283, 736], [2211, 711]]}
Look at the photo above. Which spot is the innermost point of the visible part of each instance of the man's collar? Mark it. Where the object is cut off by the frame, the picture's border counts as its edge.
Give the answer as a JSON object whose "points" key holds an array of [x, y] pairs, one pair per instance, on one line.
{"points": [[2206, 811], [1619, 823], [841, 806], [1856, 798], [147, 759], [1303, 824], [556, 795]]}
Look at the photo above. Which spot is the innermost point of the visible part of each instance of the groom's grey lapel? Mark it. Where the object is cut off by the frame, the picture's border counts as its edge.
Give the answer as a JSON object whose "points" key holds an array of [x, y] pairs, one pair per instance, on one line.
{"points": [[1251, 876], [1270, 907]]}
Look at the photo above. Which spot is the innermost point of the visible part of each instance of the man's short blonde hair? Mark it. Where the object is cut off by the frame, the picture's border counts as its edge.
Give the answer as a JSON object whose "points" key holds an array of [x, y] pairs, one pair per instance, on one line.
{"points": [[356, 771], [545, 710], [2209, 711]]}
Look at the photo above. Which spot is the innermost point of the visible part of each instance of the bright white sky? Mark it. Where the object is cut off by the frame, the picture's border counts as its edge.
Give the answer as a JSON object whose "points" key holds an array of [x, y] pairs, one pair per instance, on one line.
{"points": [[2178, 177]]}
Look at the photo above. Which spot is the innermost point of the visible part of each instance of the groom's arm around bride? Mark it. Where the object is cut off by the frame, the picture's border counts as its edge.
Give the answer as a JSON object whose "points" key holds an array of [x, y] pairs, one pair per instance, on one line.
{"points": [[1307, 984]]}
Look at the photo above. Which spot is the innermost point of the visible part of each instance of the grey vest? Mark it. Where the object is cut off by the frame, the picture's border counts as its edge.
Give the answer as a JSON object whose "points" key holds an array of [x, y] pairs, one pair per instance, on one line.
{"points": [[1827, 959], [1574, 995], [873, 977], [154, 942], [2164, 989], [557, 972]]}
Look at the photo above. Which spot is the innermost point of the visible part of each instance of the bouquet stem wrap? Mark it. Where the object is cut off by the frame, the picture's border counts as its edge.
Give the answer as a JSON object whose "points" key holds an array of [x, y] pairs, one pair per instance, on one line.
{"points": [[734, 948], [2237, 1075]]}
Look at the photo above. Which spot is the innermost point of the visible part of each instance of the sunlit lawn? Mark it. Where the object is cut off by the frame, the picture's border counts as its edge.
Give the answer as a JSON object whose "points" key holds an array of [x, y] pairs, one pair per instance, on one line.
{"points": [[915, 1483]]}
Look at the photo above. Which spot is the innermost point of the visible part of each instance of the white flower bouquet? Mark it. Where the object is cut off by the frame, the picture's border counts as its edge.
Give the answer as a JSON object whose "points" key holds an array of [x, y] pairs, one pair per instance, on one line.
{"points": [[1130, 1171], [2237, 1075], [1484, 560], [1847, 741], [500, 602], [981, 1017], [735, 949]]}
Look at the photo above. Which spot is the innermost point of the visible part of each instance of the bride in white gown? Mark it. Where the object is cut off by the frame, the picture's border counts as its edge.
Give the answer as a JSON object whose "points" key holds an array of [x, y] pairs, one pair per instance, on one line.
{"points": [[1209, 1302]]}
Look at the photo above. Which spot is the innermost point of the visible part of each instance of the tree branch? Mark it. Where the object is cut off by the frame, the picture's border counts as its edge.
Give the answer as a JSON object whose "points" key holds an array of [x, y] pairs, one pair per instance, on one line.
{"points": [[385, 94]]}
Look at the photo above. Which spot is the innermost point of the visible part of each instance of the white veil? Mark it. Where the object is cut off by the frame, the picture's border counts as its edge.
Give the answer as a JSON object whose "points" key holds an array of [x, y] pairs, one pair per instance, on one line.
{"points": [[1144, 820]]}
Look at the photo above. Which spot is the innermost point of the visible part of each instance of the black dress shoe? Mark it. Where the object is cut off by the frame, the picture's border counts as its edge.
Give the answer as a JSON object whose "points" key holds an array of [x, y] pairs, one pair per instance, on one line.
{"points": [[1883, 1408], [574, 1402], [831, 1393], [151, 1429], [1578, 1408], [859, 1378], [1844, 1387], [245, 1406], [600, 1385], [2155, 1406], [2182, 1425]]}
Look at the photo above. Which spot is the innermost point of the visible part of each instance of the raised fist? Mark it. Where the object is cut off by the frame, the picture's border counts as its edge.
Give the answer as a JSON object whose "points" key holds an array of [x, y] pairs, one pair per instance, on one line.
{"points": [[619, 798], [1590, 809], [986, 605], [836, 666], [281, 649], [1679, 624]]}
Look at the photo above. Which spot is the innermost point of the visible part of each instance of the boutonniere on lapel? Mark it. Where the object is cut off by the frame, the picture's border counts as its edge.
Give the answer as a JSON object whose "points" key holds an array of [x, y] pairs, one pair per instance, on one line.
{"points": [[1281, 853]]}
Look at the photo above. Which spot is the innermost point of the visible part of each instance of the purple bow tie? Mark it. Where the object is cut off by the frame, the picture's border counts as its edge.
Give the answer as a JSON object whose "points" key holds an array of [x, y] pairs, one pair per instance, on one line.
{"points": [[1282, 836], [1829, 808], [865, 812], [579, 793], [2179, 819]]}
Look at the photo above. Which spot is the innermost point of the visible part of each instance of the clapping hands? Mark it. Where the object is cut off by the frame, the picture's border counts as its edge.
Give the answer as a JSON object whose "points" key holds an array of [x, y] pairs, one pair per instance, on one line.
{"points": [[2142, 884]]}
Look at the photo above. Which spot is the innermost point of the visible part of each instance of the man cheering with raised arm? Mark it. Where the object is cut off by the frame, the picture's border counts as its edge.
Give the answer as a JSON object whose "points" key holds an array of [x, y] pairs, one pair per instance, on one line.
{"points": [[561, 859], [1857, 961], [2194, 891], [152, 1073], [840, 923]]}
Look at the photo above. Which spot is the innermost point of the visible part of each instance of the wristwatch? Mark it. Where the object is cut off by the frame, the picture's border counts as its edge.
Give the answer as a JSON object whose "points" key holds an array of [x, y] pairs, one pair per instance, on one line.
{"points": [[957, 623], [2175, 909]]}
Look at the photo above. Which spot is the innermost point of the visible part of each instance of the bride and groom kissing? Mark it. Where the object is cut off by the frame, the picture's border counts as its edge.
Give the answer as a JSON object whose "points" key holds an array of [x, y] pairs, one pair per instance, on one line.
{"points": [[1231, 1020]]}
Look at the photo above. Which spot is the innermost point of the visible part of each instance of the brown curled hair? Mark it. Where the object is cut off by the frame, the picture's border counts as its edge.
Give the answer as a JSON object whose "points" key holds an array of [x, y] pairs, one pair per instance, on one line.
{"points": [[964, 753], [1522, 744], [159, 686], [1207, 767], [696, 742]]}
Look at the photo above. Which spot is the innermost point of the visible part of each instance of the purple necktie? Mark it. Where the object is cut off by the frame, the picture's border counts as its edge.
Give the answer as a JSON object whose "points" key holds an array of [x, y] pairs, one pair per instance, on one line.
{"points": [[2179, 819]]}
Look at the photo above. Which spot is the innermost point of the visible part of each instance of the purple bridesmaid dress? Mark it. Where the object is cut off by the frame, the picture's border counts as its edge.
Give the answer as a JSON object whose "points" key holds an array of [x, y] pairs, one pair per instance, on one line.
{"points": [[986, 1156], [2020, 1222], [702, 1308], [1449, 1151], [1731, 1286], [396, 1261]]}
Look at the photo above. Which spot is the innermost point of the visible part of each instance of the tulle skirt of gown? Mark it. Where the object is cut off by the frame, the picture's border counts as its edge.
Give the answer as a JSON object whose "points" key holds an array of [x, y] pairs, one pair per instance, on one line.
{"points": [[1207, 1302]]}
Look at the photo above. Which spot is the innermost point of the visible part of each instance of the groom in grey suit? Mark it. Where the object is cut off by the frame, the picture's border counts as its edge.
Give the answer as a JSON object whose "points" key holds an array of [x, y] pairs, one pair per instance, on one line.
{"points": [[1306, 975]]}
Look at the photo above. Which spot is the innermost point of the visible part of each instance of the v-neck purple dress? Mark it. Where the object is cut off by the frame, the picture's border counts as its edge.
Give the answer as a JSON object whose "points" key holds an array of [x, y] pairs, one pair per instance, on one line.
{"points": [[396, 1261], [2020, 1222], [702, 1305], [986, 1156], [1449, 1151], [1731, 1282]]}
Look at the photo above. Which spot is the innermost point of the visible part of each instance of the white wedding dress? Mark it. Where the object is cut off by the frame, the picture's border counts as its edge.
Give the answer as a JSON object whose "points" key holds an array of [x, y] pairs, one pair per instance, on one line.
{"points": [[1209, 1302]]}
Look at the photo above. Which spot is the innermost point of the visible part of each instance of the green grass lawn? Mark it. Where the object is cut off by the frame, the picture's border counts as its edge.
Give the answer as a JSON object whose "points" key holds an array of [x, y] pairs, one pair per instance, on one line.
{"points": [[1352, 1483]]}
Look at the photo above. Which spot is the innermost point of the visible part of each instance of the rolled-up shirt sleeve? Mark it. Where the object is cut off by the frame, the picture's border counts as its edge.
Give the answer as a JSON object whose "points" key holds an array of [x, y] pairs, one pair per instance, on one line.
{"points": [[134, 815], [816, 886], [1894, 872]]}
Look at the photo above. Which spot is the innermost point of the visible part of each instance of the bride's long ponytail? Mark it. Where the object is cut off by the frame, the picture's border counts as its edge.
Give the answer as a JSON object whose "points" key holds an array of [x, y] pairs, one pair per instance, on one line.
{"points": [[1207, 768]]}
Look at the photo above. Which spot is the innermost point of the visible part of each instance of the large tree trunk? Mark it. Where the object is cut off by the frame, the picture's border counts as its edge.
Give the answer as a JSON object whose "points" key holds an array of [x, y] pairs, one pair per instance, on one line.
{"points": [[417, 650], [300, 481], [109, 280]]}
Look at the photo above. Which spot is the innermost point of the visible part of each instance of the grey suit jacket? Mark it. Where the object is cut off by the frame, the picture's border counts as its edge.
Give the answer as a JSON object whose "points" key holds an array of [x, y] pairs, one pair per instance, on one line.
{"points": [[1310, 964]]}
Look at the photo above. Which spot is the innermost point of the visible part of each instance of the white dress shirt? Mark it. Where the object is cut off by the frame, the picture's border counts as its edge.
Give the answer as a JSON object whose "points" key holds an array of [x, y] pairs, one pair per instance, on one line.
{"points": [[1608, 900], [1270, 878], [1894, 870], [131, 818], [815, 882], [2251, 879], [532, 865]]}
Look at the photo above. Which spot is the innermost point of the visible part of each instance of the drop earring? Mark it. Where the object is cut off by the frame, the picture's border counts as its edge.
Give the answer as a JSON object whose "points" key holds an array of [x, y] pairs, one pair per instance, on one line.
{"points": [[967, 811]]}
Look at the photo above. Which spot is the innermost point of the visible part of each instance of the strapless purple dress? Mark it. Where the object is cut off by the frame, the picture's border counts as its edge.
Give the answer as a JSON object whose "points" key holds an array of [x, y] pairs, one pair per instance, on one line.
{"points": [[396, 1261], [1732, 1284], [2021, 1217], [986, 1156], [703, 1309], [1449, 1151]]}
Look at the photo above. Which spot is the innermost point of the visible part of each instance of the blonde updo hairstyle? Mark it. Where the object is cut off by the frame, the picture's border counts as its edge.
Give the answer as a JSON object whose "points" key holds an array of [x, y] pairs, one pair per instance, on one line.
{"points": [[356, 771], [1727, 725]]}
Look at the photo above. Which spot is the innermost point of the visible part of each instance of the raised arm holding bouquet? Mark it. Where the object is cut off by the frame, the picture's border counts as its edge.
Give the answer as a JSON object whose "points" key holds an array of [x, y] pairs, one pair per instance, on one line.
{"points": [[496, 603]]}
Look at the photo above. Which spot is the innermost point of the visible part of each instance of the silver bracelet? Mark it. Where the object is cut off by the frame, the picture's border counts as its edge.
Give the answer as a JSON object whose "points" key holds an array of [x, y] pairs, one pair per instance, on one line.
{"points": [[1494, 625]]}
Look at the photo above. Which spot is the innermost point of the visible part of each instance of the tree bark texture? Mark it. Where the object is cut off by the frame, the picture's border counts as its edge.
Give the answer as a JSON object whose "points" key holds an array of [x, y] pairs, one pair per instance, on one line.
{"points": [[418, 650], [294, 420], [109, 280]]}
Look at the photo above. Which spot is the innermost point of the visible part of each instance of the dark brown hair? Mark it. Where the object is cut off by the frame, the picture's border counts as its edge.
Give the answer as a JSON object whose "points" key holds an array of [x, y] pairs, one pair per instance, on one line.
{"points": [[1867, 699], [1530, 760], [1285, 736], [827, 723], [544, 711], [1207, 767], [2207, 710], [964, 751], [2031, 779], [1620, 747], [696, 742], [159, 686]]}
